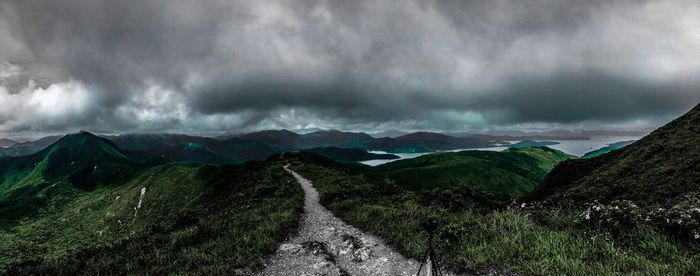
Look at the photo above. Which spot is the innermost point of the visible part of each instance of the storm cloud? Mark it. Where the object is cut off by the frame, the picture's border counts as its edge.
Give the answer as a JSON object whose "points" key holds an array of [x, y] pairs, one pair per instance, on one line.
{"points": [[199, 66]]}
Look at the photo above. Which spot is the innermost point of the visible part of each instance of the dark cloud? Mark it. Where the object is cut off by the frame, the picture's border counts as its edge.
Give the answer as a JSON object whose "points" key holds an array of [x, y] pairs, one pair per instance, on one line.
{"points": [[218, 65]]}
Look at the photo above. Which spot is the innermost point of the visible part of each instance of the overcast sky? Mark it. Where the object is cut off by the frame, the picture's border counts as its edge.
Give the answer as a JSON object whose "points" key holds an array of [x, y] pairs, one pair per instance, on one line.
{"points": [[454, 65]]}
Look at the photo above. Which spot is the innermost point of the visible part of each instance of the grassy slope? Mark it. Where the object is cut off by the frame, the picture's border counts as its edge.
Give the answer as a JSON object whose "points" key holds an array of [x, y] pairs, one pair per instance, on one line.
{"points": [[661, 167], [550, 243], [508, 174], [194, 153], [531, 143], [193, 219], [606, 149], [79, 159], [348, 154]]}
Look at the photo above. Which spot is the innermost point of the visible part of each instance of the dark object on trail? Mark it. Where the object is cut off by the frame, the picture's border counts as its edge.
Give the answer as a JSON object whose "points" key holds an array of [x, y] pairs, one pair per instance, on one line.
{"points": [[429, 224], [430, 261]]}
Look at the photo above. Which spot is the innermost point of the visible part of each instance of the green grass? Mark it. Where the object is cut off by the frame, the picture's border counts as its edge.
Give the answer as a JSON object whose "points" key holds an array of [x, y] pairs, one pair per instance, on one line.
{"points": [[660, 168], [503, 175], [348, 155], [547, 242], [202, 220], [609, 148]]}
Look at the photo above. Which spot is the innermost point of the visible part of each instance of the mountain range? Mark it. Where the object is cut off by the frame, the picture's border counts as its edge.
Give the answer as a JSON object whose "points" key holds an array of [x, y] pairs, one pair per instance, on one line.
{"points": [[30, 147], [6, 143], [260, 145]]}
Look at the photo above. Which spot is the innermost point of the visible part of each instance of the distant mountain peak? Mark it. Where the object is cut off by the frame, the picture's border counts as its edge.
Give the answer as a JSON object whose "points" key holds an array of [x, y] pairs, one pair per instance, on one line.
{"points": [[83, 137]]}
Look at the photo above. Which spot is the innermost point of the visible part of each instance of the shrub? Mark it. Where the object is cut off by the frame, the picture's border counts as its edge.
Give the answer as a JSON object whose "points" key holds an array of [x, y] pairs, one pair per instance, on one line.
{"points": [[681, 220]]}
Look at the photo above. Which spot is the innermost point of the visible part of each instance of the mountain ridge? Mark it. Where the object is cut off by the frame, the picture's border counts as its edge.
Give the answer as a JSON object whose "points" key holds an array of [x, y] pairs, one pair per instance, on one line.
{"points": [[661, 167], [6, 143]]}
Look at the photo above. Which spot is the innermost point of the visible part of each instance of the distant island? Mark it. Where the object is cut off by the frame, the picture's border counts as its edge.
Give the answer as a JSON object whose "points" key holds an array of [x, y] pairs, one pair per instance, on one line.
{"points": [[608, 148], [531, 143], [343, 154]]}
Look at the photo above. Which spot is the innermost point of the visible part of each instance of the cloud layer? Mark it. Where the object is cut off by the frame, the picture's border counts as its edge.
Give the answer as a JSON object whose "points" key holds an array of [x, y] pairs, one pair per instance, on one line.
{"points": [[203, 66]]}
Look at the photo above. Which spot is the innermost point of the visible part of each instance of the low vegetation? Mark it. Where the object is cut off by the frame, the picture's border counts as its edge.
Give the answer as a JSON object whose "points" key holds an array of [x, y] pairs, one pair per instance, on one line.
{"points": [[161, 220], [500, 176], [682, 220], [659, 169], [607, 149], [349, 155], [532, 240]]}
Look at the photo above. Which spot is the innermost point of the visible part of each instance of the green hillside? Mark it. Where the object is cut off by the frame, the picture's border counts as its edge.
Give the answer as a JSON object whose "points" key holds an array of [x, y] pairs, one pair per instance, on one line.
{"points": [[608, 148], [347, 154], [531, 143], [81, 160], [504, 175], [193, 153], [660, 168], [472, 239], [82, 206]]}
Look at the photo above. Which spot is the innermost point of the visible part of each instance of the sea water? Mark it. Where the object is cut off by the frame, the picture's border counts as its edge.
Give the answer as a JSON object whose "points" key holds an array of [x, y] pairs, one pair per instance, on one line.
{"points": [[573, 147]]}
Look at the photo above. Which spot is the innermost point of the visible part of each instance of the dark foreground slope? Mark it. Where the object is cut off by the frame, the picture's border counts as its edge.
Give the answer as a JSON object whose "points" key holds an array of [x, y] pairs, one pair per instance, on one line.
{"points": [[660, 168], [165, 219], [478, 240]]}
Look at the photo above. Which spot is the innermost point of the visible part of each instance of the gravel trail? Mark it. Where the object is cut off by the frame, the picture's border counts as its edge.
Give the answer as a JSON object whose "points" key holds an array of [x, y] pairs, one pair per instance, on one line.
{"points": [[325, 245]]}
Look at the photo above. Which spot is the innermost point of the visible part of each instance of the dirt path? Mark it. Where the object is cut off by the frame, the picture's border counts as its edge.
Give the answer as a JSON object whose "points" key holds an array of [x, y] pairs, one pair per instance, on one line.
{"points": [[325, 245]]}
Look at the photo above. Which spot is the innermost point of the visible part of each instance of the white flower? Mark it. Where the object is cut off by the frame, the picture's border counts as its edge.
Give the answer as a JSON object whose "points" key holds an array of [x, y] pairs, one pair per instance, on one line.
{"points": [[522, 205], [588, 215]]}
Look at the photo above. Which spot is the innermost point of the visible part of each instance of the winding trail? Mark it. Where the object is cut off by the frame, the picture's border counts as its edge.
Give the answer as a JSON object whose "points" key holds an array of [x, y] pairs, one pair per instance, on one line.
{"points": [[325, 245]]}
